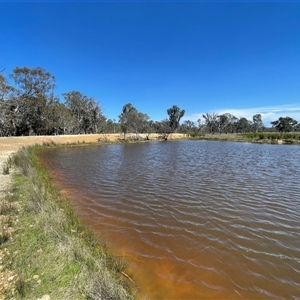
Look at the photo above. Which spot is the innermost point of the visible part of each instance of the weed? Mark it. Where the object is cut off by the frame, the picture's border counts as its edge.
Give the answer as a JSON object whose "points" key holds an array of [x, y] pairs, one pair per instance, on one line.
{"points": [[21, 286], [5, 169], [9, 221], [7, 207], [4, 237], [195, 134]]}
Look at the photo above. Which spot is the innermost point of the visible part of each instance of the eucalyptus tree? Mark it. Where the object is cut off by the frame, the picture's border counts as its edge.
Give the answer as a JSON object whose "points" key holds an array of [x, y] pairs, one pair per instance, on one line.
{"points": [[286, 124], [142, 124], [127, 118], [175, 114], [257, 123], [33, 87], [226, 123], [86, 112], [133, 120], [76, 102], [65, 121], [211, 122], [95, 116], [188, 126], [112, 126], [243, 125], [163, 128], [223, 121], [59, 118], [5, 88], [9, 118], [297, 127]]}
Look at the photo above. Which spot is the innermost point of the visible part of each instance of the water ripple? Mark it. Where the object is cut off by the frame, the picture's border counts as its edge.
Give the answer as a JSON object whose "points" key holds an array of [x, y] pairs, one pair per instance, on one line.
{"points": [[198, 219]]}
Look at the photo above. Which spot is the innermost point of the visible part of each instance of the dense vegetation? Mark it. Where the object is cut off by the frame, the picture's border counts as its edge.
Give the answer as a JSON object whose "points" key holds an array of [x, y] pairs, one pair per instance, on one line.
{"points": [[29, 106]]}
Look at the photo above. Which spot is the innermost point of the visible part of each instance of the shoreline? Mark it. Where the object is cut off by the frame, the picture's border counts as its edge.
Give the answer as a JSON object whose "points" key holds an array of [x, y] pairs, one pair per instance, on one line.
{"points": [[11, 145], [15, 191]]}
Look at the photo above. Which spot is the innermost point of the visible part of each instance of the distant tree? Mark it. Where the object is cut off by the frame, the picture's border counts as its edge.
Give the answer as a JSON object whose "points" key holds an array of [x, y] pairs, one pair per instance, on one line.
{"points": [[188, 126], [5, 88], [142, 123], [133, 120], [7, 124], [30, 107], [66, 122], [9, 118], [226, 123], [175, 114], [86, 112], [33, 89], [163, 128], [33, 82], [95, 116], [211, 122], [110, 126], [242, 125], [76, 102], [297, 127], [257, 122], [127, 118], [284, 124]]}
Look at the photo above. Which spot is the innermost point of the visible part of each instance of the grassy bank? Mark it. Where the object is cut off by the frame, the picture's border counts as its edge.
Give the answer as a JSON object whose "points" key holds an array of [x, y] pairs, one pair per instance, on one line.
{"points": [[274, 137], [50, 251], [259, 137]]}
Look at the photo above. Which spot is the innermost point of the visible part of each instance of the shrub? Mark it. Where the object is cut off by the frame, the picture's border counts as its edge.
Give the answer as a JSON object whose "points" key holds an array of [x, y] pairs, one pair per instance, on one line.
{"points": [[195, 134]]}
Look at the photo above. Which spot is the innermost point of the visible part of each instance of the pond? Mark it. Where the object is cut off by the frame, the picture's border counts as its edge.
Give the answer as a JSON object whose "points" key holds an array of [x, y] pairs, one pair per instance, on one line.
{"points": [[193, 219]]}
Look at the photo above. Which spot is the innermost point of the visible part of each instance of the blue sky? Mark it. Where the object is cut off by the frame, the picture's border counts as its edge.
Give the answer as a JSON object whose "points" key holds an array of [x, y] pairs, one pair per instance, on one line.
{"points": [[238, 57]]}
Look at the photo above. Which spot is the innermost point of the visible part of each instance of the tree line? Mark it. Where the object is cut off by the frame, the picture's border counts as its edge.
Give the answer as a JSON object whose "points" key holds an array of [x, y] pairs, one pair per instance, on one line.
{"points": [[29, 106]]}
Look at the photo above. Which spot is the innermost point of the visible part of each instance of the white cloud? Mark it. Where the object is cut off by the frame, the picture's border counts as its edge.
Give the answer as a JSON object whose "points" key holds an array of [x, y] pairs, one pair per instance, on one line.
{"points": [[268, 113]]}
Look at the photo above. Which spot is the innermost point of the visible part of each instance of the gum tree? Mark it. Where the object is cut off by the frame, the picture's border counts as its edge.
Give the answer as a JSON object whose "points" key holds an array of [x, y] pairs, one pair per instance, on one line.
{"points": [[33, 89], [257, 122], [286, 124], [127, 118], [175, 114]]}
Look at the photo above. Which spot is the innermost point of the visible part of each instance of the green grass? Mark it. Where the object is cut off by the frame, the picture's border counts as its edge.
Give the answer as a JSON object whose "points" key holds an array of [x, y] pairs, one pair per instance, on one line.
{"points": [[195, 135], [51, 250], [259, 137], [289, 137]]}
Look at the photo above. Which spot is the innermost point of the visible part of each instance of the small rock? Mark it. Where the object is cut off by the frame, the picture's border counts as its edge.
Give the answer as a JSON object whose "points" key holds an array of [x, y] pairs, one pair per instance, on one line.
{"points": [[35, 277], [46, 297]]}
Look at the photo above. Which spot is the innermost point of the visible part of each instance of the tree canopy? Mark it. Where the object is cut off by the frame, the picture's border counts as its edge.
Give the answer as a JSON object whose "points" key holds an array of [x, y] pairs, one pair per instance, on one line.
{"points": [[29, 106], [284, 124], [175, 114]]}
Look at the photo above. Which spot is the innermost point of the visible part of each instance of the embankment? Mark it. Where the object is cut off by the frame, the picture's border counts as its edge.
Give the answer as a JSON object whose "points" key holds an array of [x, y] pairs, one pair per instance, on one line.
{"points": [[45, 251]]}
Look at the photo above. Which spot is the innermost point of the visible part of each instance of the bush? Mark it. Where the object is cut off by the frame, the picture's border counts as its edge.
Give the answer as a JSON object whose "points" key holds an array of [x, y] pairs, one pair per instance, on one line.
{"points": [[195, 134]]}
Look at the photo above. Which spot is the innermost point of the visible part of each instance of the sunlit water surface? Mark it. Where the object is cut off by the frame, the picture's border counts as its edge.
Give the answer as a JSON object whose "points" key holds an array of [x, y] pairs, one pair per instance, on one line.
{"points": [[194, 219]]}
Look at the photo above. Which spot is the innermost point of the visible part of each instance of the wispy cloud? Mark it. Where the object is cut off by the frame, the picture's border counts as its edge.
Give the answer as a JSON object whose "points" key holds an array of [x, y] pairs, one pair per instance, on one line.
{"points": [[268, 113]]}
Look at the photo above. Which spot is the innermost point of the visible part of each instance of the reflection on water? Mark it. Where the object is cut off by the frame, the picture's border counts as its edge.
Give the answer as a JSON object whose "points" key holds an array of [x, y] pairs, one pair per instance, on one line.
{"points": [[194, 219]]}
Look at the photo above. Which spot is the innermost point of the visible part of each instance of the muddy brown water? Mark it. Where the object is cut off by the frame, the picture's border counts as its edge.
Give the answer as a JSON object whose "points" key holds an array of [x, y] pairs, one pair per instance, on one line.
{"points": [[193, 219]]}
